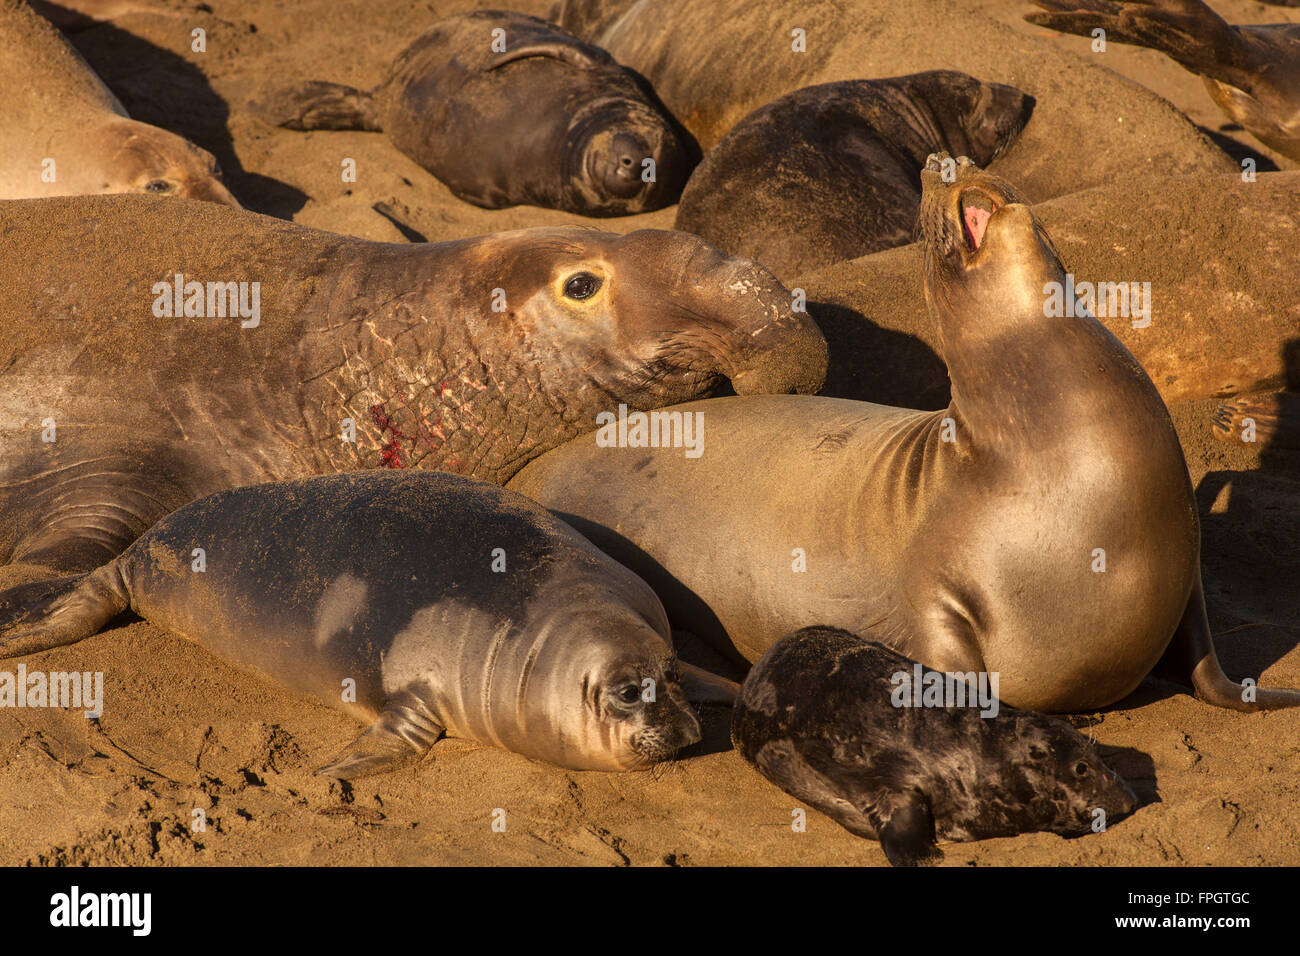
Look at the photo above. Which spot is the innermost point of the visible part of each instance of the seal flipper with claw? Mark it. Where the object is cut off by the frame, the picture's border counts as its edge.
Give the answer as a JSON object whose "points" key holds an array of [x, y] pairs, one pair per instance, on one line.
{"points": [[399, 737]]}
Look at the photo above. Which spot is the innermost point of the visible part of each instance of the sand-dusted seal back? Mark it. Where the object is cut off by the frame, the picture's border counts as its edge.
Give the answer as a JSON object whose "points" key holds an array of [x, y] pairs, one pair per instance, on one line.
{"points": [[507, 109], [844, 724], [832, 171], [62, 133], [1251, 72], [420, 603]]}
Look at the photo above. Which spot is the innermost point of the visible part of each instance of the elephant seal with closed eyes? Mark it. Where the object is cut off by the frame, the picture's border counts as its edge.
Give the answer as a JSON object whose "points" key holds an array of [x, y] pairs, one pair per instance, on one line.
{"points": [[420, 603], [507, 109]]}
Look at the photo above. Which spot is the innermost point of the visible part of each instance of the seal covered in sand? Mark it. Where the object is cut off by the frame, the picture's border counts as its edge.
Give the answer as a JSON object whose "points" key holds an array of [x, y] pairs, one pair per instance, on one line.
{"points": [[840, 723], [420, 603], [505, 109], [1251, 72], [188, 348], [832, 171], [1041, 526], [62, 133]]}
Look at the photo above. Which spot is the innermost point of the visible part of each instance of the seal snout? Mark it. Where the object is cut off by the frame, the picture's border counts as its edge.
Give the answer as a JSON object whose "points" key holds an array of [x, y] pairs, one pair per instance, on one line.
{"points": [[621, 166]]}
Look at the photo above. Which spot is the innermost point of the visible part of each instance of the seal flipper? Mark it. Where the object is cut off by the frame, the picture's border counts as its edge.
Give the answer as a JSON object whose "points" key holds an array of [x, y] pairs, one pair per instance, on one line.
{"points": [[399, 737], [703, 687], [320, 105], [905, 828], [43, 614], [1272, 419]]}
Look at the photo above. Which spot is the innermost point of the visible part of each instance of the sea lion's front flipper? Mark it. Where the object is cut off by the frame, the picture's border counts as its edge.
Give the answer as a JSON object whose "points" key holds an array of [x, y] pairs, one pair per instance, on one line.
{"points": [[51, 613], [399, 737], [905, 828], [703, 687], [320, 105]]}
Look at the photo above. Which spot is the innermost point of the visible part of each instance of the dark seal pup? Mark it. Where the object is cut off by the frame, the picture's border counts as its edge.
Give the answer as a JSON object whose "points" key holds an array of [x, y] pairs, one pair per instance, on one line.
{"points": [[507, 109], [819, 716], [1042, 526], [832, 172], [446, 605], [1251, 72], [118, 406]]}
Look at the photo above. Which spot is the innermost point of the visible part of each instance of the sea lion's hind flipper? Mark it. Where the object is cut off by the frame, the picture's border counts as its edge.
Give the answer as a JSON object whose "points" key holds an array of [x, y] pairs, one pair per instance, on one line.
{"points": [[51, 613], [703, 687], [320, 105], [399, 737], [905, 828]]}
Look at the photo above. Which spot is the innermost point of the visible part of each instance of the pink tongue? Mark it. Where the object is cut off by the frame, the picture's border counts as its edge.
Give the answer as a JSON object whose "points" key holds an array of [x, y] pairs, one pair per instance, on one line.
{"points": [[976, 221]]}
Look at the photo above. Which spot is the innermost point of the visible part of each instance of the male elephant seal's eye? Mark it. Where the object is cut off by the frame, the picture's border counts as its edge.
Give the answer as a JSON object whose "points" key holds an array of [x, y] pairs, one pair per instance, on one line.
{"points": [[1081, 769], [581, 286], [629, 694], [157, 186]]}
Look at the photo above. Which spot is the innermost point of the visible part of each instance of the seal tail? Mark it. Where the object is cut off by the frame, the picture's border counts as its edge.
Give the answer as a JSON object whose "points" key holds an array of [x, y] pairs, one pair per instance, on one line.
{"points": [[321, 105], [43, 614]]}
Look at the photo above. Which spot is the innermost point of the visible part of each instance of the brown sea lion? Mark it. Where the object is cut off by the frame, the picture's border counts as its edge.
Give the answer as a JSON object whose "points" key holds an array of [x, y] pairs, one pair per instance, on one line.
{"points": [[715, 63], [1251, 72], [1212, 260], [189, 348], [507, 109], [1042, 526], [832, 171], [62, 133]]}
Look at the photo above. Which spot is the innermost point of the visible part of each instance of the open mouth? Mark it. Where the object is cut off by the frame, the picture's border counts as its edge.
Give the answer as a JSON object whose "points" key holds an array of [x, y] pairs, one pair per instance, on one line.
{"points": [[977, 208]]}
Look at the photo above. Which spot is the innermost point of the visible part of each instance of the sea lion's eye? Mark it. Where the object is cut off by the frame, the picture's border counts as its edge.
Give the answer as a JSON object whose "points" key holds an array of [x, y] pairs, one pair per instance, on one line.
{"points": [[216, 167], [1081, 769], [581, 286], [157, 186], [629, 693]]}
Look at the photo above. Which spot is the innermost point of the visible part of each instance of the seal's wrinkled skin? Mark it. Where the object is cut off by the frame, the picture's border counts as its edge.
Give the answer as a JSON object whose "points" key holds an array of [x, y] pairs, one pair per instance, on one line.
{"points": [[56, 108], [1042, 525], [817, 717], [829, 172], [471, 356], [548, 121], [1251, 72], [390, 581]]}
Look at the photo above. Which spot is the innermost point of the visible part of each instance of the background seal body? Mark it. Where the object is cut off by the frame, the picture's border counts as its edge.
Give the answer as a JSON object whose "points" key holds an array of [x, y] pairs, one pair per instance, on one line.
{"points": [[507, 109], [819, 717], [470, 356], [419, 603]]}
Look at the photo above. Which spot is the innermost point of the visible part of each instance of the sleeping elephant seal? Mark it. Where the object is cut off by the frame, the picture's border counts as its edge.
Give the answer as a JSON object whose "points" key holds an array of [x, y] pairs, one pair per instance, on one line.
{"points": [[443, 604], [831, 172], [1041, 526], [1251, 72], [189, 348], [507, 109], [844, 724], [62, 133]]}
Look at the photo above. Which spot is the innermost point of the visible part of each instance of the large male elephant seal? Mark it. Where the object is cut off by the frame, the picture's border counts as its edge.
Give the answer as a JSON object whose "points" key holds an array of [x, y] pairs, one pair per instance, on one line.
{"points": [[420, 603], [62, 133], [506, 109], [187, 348], [831, 172], [1251, 72], [715, 63], [1041, 526], [853, 729]]}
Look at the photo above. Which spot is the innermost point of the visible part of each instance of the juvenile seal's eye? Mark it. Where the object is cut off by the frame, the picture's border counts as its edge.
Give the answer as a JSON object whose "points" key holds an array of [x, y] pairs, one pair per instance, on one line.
{"points": [[157, 186], [581, 286], [1081, 769], [629, 694]]}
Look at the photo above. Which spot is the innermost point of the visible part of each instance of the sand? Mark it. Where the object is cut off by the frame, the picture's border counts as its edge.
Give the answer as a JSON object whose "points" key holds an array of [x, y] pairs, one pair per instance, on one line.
{"points": [[181, 731]]}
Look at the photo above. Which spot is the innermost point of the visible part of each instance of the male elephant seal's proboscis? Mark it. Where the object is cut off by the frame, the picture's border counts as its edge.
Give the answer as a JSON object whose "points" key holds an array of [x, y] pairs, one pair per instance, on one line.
{"points": [[471, 356], [507, 109], [62, 133], [829, 172], [420, 603], [1041, 526], [1251, 72], [820, 715]]}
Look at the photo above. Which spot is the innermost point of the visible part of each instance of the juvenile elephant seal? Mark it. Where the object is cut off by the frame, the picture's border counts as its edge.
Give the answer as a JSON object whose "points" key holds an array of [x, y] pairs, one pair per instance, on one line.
{"points": [[1251, 72], [831, 172], [1041, 526], [443, 604], [835, 721], [62, 133], [506, 109], [297, 352]]}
